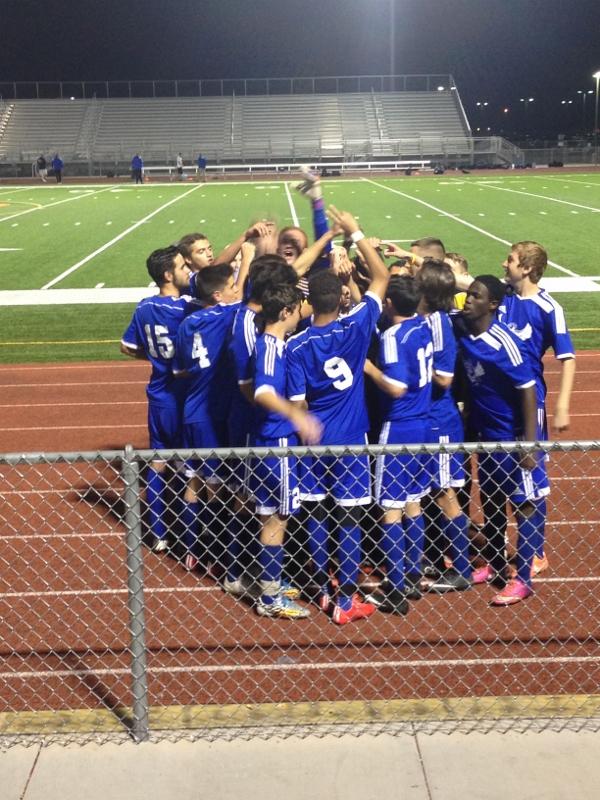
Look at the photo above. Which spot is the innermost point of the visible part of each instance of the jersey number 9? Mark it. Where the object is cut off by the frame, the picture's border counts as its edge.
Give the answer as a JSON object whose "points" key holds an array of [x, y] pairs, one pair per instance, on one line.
{"points": [[338, 369]]}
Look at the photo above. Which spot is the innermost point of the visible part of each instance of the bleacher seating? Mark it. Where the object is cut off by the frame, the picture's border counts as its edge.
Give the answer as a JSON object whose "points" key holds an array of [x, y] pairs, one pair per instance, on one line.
{"points": [[260, 128]]}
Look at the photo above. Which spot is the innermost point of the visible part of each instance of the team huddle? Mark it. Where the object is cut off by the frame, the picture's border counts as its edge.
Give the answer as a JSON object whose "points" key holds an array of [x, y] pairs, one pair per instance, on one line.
{"points": [[277, 343]]}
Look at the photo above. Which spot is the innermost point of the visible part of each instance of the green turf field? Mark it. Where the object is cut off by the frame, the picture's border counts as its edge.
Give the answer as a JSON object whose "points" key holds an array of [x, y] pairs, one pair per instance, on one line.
{"points": [[93, 238]]}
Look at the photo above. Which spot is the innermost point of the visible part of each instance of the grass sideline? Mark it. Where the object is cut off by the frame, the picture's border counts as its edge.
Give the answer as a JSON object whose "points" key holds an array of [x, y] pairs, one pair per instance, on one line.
{"points": [[83, 237]]}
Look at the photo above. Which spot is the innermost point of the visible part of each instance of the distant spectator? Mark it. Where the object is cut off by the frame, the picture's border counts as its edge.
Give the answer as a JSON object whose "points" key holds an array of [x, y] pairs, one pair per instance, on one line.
{"points": [[57, 166], [42, 168], [201, 167], [179, 163], [137, 168]]}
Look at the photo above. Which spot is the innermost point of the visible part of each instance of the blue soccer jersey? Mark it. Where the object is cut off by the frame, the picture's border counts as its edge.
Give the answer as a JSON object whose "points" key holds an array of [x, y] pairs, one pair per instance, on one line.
{"points": [[495, 366], [443, 405], [539, 322], [201, 352], [325, 368], [406, 358], [153, 330], [269, 366]]}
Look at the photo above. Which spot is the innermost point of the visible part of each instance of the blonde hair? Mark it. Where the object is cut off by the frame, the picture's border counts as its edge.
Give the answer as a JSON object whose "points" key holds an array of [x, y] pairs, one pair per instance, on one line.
{"points": [[533, 256]]}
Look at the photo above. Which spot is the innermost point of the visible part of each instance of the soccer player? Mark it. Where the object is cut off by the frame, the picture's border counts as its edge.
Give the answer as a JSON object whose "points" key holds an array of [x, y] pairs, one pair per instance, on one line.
{"points": [[437, 286], [405, 356], [151, 334], [200, 356], [502, 409], [42, 168], [57, 167], [279, 423], [325, 372], [197, 251], [179, 166], [539, 322], [137, 168]]}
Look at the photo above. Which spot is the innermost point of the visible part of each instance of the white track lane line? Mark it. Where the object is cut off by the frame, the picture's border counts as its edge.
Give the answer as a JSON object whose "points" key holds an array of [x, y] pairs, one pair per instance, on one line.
{"points": [[77, 428], [294, 216], [540, 196], [463, 222], [56, 203], [75, 383], [124, 233]]}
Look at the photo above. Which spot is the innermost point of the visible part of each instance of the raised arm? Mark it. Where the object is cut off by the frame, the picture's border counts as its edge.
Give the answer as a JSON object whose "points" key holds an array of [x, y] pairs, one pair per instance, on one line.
{"points": [[227, 255], [377, 269]]}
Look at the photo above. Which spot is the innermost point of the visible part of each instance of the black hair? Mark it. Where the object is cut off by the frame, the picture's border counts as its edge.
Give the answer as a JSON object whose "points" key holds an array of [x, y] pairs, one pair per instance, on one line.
{"points": [[437, 284], [403, 294], [266, 272], [276, 298], [324, 291], [495, 287], [161, 261], [186, 242], [212, 279]]}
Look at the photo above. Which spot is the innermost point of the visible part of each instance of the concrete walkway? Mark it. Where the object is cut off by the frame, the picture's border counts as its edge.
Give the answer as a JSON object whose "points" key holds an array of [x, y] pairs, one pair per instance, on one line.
{"points": [[493, 766]]}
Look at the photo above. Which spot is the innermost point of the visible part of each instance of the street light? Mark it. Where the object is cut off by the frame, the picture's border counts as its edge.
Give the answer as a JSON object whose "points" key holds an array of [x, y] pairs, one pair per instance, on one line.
{"points": [[584, 93], [596, 77]]}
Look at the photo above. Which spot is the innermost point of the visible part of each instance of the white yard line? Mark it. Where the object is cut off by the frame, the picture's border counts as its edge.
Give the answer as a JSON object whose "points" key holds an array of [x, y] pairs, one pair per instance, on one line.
{"points": [[461, 221], [124, 233], [540, 196], [295, 219], [566, 180], [56, 203]]}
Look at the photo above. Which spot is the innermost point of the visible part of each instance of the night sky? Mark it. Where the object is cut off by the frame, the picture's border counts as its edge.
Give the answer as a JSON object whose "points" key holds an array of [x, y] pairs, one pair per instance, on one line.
{"points": [[497, 51]]}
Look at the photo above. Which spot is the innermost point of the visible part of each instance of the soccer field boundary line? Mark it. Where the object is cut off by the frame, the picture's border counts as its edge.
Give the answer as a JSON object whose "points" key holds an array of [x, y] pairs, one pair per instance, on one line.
{"points": [[56, 203], [539, 196], [120, 236], [290, 200], [566, 180], [463, 222], [69, 341]]}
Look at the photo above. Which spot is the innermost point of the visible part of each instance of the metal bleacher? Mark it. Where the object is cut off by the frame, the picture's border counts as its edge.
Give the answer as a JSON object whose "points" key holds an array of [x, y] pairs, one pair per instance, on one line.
{"points": [[230, 128]]}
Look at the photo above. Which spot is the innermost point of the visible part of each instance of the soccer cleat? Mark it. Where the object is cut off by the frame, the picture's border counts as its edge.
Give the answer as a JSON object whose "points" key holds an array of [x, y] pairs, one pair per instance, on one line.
{"points": [[281, 608], [540, 564], [235, 588], [289, 590], [482, 575], [160, 545], [311, 185], [413, 587], [358, 610], [190, 562], [513, 592], [449, 581], [391, 602]]}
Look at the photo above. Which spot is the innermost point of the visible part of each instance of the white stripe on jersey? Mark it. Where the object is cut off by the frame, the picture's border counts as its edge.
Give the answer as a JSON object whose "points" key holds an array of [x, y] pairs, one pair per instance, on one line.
{"points": [[435, 324], [559, 314], [249, 332], [390, 346], [270, 354], [510, 347], [489, 339]]}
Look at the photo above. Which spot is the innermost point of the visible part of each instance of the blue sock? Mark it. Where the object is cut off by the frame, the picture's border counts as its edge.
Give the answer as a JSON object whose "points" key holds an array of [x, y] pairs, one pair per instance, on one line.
{"points": [[526, 527], [456, 531], [189, 518], [155, 494], [213, 530], [349, 554], [318, 535], [540, 514], [271, 563], [414, 529], [234, 549], [392, 544]]}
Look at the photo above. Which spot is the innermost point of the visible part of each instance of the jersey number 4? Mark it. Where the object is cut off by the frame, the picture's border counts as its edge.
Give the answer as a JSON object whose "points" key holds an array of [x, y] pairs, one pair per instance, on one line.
{"points": [[200, 352], [339, 370], [159, 342]]}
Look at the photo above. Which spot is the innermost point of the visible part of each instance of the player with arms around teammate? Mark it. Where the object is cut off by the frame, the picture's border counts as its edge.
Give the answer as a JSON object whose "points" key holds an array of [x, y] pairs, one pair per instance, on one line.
{"points": [[539, 322], [151, 335], [325, 372], [502, 408], [201, 356], [279, 423]]}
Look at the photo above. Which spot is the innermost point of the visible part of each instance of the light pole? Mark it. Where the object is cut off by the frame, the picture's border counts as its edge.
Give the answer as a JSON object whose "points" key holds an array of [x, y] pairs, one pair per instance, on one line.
{"points": [[584, 95], [392, 42], [526, 101], [596, 76]]}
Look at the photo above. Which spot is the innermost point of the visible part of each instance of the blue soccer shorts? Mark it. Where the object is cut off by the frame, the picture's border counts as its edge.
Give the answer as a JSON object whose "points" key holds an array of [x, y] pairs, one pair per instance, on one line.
{"points": [[446, 470], [401, 479], [274, 480], [500, 471], [164, 427], [208, 434], [347, 479]]}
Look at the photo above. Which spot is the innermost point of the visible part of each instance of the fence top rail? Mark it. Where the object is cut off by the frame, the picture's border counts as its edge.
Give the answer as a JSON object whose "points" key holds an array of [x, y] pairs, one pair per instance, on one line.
{"points": [[129, 453]]}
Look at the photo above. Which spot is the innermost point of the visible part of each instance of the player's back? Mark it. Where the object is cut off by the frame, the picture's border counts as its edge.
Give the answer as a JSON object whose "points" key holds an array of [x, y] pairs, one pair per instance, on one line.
{"points": [[406, 352], [270, 375], [325, 368], [202, 354], [241, 350], [153, 329], [444, 362]]}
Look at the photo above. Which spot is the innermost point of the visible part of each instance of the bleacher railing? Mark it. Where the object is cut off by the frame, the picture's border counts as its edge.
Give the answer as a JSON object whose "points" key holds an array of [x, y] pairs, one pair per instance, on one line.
{"points": [[106, 639]]}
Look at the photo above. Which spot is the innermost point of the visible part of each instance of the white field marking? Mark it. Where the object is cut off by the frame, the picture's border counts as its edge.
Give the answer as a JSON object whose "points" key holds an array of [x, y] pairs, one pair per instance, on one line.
{"points": [[57, 203], [99, 286], [103, 403], [10, 249], [124, 233], [301, 666], [543, 197], [78, 428], [80, 383], [4, 192], [196, 590], [91, 367], [569, 180], [38, 297], [295, 219], [463, 222]]}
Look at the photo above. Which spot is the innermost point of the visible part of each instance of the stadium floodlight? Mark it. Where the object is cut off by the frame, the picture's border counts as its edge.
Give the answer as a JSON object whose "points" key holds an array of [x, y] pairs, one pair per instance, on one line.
{"points": [[441, 88], [596, 77], [584, 93]]}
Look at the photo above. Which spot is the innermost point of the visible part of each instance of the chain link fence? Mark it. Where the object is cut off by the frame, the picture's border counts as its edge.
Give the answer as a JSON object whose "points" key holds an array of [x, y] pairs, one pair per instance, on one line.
{"points": [[109, 634]]}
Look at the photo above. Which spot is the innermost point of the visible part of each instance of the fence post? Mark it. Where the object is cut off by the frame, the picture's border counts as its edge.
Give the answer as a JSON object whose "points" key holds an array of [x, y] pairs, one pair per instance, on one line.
{"points": [[130, 471]]}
